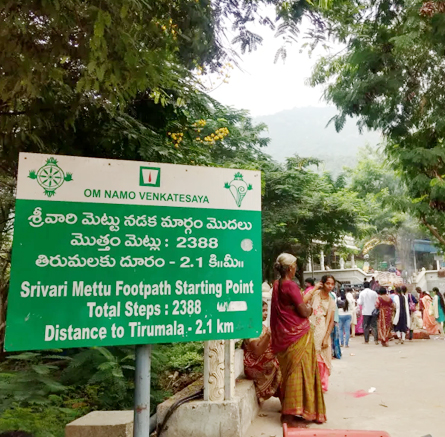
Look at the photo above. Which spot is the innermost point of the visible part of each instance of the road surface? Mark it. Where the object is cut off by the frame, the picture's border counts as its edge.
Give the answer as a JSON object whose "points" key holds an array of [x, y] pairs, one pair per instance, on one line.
{"points": [[409, 397]]}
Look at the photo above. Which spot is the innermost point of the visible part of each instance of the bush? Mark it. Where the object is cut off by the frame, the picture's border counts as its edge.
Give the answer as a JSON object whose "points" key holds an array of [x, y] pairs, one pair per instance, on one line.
{"points": [[170, 358], [179, 356], [29, 378], [40, 392], [41, 422], [109, 370]]}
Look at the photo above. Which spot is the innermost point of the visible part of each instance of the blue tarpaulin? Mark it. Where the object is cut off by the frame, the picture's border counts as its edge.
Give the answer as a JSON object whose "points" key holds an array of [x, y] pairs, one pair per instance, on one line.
{"points": [[424, 246]]}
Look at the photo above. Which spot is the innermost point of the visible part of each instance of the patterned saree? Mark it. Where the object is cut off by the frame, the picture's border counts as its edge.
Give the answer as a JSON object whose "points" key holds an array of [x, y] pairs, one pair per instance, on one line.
{"points": [[263, 370], [301, 390]]}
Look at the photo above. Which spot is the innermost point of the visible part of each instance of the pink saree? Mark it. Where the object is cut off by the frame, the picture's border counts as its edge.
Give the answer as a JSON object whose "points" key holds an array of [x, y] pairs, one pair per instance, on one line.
{"points": [[429, 321]]}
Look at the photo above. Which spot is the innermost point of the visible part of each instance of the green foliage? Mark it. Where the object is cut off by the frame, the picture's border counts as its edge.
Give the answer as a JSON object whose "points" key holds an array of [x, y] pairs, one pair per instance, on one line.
{"points": [[383, 192], [167, 359], [182, 356], [55, 388], [31, 395], [7, 202], [49, 421], [111, 49], [304, 211], [111, 80], [243, 142], [390, 76], [385, 199], [110, 369], [30, 378]]}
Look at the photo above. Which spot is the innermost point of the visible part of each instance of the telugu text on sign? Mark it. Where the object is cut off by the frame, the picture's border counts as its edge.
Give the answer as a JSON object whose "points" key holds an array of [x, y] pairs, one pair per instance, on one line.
{"points": [[102, 261]]}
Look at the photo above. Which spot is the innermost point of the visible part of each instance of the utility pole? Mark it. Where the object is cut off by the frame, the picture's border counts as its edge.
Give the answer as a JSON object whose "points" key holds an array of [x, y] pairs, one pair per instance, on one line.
{"points": [[142, 391]]}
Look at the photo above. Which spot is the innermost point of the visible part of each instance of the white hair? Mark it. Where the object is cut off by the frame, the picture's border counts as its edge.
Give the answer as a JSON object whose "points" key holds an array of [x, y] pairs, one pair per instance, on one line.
{"points": [[286, 259]]}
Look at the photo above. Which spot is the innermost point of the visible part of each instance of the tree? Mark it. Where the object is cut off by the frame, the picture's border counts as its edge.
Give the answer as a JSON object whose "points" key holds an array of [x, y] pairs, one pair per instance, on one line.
{"points": [[383, 192], [304, 212], [105, 67], [62, 63], [113, 79], [203, 132], [116, 80], [385, 199], [390, 75]]}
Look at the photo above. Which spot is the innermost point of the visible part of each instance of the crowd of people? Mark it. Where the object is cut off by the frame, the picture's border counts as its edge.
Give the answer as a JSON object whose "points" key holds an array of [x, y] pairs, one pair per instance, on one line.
{"points": [[292, 359]]}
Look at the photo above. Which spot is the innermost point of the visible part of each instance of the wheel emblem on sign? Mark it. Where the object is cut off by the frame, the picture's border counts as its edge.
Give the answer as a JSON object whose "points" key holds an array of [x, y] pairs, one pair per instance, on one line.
{"points": [[50, 177], [239, 188]]}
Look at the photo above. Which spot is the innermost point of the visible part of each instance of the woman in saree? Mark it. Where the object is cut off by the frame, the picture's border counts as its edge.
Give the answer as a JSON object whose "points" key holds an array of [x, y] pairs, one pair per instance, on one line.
{"points": [[322, 323], [385, 306], [261, 364], [293, 342], [429, 321]]}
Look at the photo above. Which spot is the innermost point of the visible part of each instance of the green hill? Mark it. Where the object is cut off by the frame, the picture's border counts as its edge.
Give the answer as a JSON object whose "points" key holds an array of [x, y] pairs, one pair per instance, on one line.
{"points": [[304, 131]]}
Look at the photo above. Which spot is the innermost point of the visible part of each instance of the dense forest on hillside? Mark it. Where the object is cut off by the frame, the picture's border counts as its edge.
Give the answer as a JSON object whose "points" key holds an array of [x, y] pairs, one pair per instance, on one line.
{"points": [[305, 131]]}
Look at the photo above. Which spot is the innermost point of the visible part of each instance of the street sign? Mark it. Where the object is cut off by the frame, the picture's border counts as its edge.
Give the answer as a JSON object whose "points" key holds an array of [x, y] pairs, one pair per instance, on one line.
{"points": [[109, 252]]}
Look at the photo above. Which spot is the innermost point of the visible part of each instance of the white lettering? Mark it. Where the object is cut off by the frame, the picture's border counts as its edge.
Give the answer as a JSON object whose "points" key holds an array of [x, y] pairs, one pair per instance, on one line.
{"points": [[49, 332]]}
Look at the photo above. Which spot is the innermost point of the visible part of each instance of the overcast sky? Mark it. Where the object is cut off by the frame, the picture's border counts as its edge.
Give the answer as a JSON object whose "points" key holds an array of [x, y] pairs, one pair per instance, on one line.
{"points": [[266, 88]]}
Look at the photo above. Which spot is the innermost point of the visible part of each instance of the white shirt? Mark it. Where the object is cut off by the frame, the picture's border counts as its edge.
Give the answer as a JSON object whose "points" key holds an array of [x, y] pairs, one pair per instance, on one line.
{"points": [[351, 305], [367, 300]]}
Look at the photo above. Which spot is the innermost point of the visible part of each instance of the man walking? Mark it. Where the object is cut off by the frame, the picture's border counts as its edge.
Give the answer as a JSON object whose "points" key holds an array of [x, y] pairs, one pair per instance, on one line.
{"points": [[367, 300]]}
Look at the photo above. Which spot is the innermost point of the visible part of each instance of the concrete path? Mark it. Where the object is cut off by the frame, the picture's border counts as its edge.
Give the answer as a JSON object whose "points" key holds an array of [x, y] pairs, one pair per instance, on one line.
{"points": [[409, 400]]}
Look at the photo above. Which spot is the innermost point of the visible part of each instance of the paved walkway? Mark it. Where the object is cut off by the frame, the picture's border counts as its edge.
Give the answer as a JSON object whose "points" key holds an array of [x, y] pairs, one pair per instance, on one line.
{"points": [[409, 400]]}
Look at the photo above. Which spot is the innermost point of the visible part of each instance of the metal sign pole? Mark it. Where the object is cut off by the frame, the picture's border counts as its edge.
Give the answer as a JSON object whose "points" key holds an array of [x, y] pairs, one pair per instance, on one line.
{"points": [[142, 391]]}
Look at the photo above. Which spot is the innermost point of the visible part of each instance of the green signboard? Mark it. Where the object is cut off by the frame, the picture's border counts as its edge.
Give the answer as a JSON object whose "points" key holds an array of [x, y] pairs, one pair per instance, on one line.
{"points": [[119, 252]]}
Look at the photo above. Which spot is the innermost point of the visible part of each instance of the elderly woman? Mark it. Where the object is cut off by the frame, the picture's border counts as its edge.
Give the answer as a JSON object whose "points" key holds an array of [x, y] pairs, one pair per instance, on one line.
{"points": [[293, 342], [261, 364]]}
